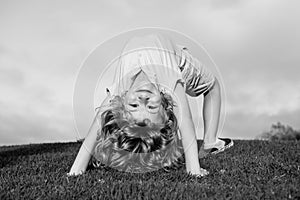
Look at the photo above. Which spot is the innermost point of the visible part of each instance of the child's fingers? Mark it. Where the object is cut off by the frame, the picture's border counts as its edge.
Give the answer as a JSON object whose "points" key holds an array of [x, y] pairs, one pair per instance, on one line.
{"points": [[203, 172], [74, 174], [69, 174]]}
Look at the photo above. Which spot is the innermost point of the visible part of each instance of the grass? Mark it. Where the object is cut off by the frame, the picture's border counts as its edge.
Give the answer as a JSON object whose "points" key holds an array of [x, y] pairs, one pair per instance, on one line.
{"points": [[249, 170]]}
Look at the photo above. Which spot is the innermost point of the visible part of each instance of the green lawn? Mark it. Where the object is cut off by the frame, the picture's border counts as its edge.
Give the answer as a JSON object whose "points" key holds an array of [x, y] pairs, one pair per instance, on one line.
{"points": [[249, 170]]}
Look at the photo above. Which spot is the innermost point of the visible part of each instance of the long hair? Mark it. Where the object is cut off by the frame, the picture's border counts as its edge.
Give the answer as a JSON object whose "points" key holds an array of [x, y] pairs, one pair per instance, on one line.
{"points": [[131, 147]]}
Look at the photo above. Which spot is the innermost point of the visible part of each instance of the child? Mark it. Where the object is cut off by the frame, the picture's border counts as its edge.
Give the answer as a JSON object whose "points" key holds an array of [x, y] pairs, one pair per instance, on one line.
{"points": [[141, 116]]}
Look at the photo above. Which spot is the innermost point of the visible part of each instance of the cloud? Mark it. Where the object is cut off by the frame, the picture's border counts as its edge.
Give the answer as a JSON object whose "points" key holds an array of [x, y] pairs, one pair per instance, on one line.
{"points": [[264, 98], [256, 38], [35, 115], [241, 125], [28, 128], [42, 44], [255, 46], [11, 77], [35, 107], [229, 4]]}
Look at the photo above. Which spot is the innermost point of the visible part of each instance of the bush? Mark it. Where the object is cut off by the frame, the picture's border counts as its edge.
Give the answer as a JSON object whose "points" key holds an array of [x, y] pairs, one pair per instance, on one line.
{"points": [[280, 132]]}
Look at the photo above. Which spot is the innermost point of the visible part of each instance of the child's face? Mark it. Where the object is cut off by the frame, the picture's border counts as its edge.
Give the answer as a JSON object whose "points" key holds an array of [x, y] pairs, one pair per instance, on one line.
{"points": [[144, 103]]}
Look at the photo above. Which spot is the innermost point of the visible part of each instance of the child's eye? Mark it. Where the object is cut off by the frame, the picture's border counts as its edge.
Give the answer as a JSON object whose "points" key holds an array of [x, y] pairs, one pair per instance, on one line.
{"points": [[133, 105], [152, 107]]}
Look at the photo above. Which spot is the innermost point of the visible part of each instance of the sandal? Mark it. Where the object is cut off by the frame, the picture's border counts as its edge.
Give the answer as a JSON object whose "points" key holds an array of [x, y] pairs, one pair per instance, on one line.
{"points": [[212, 151]]}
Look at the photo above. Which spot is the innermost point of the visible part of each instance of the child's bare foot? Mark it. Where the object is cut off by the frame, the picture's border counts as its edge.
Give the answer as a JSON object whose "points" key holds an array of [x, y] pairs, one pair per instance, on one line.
{"points": [[226, 144]]}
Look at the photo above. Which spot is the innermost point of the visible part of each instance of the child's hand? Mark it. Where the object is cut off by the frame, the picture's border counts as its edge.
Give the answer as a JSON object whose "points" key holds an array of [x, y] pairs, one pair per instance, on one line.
{"points": [[202, 172], [75, 173]]}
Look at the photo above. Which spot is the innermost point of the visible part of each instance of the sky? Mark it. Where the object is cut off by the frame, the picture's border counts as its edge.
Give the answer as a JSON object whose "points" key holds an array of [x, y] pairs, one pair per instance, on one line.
{"points": [[255, 45]]}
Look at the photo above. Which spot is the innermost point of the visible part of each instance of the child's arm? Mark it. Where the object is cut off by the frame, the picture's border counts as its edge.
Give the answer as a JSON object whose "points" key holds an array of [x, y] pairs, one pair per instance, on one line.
{"points": [[187, 129], [84, 155]]}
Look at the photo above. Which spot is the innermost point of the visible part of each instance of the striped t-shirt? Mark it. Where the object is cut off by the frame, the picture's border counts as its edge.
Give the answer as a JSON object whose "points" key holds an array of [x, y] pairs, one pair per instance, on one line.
{"points": [[165, 65]]}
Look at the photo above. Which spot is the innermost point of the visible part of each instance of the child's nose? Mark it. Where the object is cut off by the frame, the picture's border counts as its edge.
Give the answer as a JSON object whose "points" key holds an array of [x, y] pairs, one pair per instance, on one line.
{"points": [[143, 97]]}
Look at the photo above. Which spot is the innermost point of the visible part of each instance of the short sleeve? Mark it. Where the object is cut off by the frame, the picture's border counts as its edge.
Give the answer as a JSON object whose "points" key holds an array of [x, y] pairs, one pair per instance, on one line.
{"points": [[198, 78]]}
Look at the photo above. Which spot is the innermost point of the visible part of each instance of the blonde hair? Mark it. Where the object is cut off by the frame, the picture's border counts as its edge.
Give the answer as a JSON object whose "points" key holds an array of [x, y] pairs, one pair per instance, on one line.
{"points": [[126, 146]]}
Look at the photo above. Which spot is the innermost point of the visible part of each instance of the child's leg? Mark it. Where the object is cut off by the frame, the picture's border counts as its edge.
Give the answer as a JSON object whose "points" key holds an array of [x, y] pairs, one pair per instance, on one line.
{"points": [[211, 117]]}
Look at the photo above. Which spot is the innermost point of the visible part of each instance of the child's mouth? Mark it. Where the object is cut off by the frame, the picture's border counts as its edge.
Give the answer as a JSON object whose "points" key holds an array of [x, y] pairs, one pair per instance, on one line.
{"points": [[145, 90]]}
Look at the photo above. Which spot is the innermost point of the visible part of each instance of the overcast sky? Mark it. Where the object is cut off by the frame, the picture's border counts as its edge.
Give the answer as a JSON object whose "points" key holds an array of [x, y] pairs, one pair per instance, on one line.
{"points": [[255, 44]]}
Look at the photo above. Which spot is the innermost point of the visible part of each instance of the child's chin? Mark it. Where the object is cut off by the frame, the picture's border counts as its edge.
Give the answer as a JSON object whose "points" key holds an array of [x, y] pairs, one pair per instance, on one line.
{"points": [[145, 85]]}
